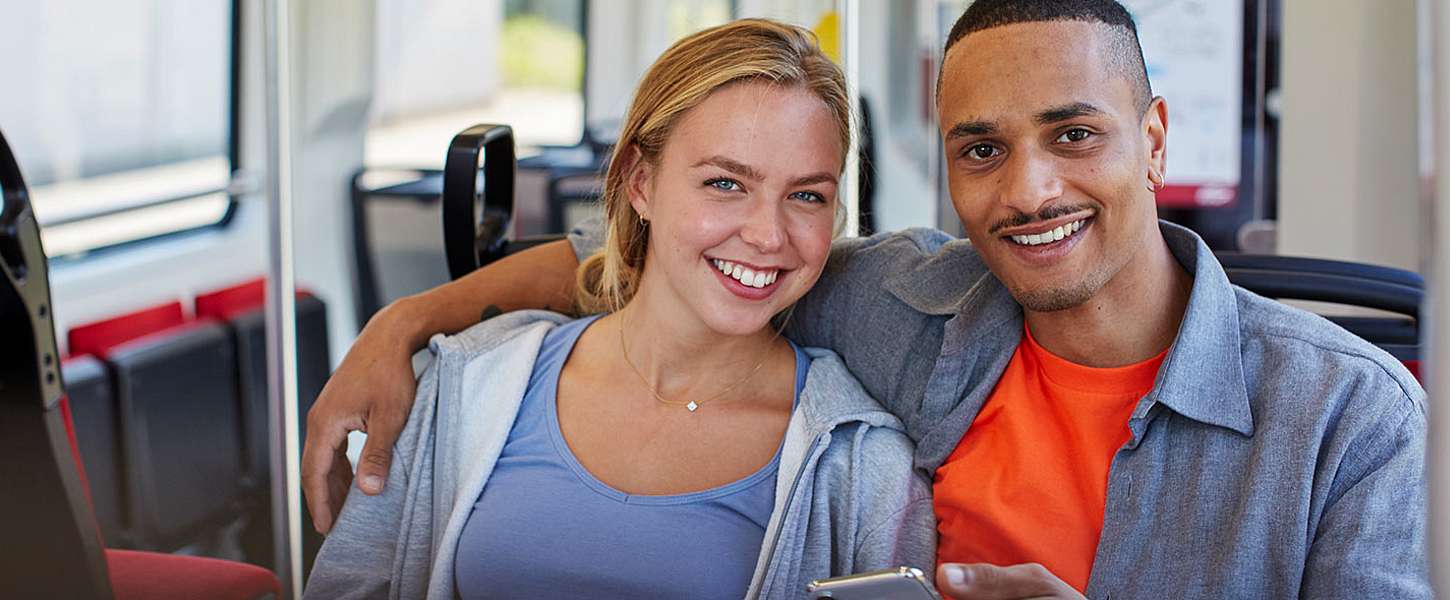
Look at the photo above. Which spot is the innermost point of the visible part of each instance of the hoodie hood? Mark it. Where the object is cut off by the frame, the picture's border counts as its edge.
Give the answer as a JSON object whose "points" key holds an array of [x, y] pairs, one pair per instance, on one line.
{"points": [[832, 397]]}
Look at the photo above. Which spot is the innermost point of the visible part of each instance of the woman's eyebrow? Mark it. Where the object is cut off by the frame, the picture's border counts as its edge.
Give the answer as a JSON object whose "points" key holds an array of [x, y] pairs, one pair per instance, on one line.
{"points": [[813, 179], [732, 166], [750, 173]]}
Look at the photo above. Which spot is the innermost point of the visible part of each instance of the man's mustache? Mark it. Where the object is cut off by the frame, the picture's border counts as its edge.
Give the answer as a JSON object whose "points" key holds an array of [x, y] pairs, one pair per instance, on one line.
{"points": [[1046, 214]]}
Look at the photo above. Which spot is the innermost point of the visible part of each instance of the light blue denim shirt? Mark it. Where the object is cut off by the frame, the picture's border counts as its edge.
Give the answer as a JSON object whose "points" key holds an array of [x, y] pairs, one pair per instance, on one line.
{"points": [[1276, 456]]}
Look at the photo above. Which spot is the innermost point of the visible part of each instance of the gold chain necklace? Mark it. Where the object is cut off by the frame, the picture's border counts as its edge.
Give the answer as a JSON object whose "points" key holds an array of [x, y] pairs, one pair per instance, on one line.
{"points": [[692, 404]]}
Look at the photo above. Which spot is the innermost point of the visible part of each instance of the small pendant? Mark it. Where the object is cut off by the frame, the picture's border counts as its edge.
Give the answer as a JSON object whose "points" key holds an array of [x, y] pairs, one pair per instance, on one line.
{"points": [[692, 406]]}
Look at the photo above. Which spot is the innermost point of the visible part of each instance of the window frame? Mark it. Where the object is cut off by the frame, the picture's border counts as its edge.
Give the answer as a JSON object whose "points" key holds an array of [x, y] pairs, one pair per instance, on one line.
{"points": [[234, 187]]}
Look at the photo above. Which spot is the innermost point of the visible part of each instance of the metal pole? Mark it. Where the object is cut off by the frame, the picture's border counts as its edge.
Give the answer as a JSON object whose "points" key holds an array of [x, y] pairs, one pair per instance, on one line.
{"points": [[1434, 63], [1434, 49], [281, 307], [849, 14]]}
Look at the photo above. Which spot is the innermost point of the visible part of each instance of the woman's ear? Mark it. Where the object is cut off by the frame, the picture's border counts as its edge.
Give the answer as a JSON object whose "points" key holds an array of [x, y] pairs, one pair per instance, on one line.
{"points": [[638, 180]]}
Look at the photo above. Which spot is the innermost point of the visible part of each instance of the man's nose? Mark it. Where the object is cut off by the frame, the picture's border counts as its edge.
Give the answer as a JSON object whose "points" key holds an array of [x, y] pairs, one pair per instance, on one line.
{"points": [[1030, 182], [764, 227]]}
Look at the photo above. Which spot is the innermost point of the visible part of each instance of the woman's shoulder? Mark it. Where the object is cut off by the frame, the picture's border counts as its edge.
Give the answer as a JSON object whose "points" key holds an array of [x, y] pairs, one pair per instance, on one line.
{"points": [[497, 331]]}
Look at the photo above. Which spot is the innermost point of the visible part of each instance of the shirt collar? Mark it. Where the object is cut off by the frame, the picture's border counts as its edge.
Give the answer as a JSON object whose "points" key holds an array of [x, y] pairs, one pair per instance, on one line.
{"points": [[1202, 377]]}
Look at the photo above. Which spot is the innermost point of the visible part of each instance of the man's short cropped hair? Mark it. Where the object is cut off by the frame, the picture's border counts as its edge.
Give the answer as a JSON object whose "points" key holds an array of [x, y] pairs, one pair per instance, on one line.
{"points": [[1125, 54]]}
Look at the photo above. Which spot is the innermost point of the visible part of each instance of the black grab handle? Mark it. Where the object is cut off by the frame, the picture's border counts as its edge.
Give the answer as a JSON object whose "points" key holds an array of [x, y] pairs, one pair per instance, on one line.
{"points": [[471, 242]]}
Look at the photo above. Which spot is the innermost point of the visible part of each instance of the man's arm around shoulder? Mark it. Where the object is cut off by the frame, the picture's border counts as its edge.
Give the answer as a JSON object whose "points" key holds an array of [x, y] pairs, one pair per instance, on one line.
{"points": [[852, 282], [372, 390]]}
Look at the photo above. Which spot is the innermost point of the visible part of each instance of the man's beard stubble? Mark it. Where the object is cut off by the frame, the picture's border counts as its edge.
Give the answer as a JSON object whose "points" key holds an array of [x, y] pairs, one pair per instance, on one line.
{"points": [[1054, 298]]}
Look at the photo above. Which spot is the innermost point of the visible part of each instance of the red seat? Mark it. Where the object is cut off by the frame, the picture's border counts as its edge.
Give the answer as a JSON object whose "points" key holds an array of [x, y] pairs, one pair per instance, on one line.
{"points": [[137, 575], [153, 576], [231, 302], [100, 336], [227, 303]]}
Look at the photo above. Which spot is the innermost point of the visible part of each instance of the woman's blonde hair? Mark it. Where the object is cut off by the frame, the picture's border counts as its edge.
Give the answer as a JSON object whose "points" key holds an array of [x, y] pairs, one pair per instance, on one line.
{"points": [[686, 74]]}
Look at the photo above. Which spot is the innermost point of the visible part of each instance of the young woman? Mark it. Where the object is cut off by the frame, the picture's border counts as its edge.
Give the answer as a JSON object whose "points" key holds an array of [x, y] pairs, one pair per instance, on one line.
{"points": [[674, 444]]}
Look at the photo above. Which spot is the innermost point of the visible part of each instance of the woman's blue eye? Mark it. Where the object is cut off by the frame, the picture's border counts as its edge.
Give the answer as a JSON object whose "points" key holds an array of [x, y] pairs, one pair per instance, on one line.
{"points": [[726, 185], [811, 197]]}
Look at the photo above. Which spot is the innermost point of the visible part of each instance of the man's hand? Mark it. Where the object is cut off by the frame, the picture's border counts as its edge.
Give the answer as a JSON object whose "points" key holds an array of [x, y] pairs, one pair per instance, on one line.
{"points": [[371, 391], [991, 582]]}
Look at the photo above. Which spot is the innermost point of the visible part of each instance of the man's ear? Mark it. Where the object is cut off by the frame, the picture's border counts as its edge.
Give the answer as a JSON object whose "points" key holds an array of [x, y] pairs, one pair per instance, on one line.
{"points": [[1155, 134], [638, 179]]}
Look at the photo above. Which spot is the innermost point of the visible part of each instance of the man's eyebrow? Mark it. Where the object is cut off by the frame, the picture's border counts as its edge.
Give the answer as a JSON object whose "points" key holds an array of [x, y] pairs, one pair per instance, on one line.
{"points": [[1067, 111], [971, 128], [813, 179], [732, 166]]}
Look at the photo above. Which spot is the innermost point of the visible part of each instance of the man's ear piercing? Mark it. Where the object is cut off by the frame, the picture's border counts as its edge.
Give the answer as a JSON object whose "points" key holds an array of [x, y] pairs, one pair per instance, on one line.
{"points": [[1155, 182]]}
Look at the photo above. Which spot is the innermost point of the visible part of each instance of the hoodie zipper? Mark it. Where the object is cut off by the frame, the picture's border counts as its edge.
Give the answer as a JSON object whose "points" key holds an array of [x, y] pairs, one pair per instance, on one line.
{"points": [[790, 503]]}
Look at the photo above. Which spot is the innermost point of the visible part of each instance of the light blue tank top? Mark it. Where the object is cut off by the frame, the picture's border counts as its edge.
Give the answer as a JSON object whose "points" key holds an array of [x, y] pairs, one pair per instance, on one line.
{"points": [[545, 527]]}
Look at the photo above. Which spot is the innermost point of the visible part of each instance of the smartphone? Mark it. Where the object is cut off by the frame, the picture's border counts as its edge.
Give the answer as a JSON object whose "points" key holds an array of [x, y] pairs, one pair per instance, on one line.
{"points": [[904, 583]]}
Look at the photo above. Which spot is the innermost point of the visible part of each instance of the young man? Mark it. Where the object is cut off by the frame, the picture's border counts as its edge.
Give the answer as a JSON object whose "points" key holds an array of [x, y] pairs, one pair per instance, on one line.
{"points": [[1102, 412]]}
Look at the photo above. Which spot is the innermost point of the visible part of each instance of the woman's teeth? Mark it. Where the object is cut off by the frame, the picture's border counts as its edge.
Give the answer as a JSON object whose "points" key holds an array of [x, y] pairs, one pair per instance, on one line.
{"points": [[1047, 237], [745, 275]]}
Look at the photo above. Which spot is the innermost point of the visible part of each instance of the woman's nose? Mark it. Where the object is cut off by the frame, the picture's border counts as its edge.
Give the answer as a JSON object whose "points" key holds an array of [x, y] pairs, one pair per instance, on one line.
{"points": [[764, 228]]}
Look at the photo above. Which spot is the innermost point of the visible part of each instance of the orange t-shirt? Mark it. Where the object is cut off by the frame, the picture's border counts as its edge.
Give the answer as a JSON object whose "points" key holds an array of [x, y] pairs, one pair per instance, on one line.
{"points": [[1028, 481]]}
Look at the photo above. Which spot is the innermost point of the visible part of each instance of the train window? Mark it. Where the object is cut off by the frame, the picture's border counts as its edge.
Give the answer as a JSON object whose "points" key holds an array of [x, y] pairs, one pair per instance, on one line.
{"points": [[443, 65], [684, 17], [121, 116]]}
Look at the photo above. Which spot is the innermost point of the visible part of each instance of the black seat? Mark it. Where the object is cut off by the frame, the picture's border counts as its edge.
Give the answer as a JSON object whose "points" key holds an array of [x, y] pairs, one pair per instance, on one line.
{"points": [[313, 360], [98, 436], [182, 433], [1398, 292]]}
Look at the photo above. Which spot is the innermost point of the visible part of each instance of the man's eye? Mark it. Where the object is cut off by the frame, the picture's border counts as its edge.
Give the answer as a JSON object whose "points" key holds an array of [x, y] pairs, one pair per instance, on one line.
{"points": [[1073, 136], [981, 151], [722, 184]]}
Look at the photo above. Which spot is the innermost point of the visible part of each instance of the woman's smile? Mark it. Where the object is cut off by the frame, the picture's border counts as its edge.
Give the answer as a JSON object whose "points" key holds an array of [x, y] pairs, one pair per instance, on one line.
{"points": [[746, 281]]}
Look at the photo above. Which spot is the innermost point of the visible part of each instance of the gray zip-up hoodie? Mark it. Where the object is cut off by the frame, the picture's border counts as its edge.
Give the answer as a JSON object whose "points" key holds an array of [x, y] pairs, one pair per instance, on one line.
{"points": [[847, 499]]}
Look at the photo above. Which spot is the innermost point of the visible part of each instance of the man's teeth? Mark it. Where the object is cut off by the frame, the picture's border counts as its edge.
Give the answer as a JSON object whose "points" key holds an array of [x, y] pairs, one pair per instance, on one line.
{"points": [[745, 275], [1048, 237]]}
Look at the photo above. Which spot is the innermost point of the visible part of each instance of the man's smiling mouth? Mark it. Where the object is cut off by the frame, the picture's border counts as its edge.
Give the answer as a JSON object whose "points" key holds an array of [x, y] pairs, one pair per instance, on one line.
{"points": [[1055, 234]]}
